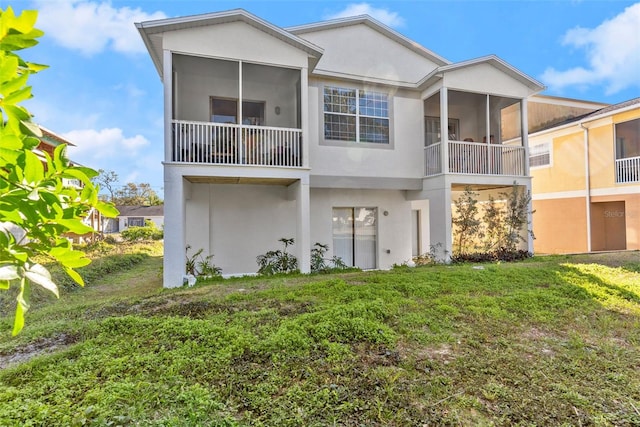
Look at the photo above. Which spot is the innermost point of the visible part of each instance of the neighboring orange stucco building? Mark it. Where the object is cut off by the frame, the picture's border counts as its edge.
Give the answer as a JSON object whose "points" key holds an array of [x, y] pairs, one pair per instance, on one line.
{"points": [[586, 182]]}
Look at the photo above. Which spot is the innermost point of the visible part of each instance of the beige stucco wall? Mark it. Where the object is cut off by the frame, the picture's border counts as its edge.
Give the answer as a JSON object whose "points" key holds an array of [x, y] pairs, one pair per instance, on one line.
{"points": [[601, 156], [567, 171], [560, 221], [560, 225]]}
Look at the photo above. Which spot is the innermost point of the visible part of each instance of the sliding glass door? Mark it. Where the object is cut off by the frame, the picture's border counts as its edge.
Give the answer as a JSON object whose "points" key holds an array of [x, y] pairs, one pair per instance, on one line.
{"points": [[355, 236]]}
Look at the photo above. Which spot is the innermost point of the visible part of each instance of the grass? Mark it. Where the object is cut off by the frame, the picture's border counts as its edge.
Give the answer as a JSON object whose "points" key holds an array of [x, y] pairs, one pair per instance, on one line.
{"points": [[550, 341]]}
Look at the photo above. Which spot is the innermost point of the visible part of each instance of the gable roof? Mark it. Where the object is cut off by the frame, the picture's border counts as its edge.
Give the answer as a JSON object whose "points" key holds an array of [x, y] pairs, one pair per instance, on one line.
{"points": [[373, 24], [493, 60], [151, 32], [140, 210]]}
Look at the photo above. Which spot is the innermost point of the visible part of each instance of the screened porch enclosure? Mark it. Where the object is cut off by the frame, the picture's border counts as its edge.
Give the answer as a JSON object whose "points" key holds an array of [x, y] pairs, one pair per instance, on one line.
{"points": [[235, 113], [483, 135]]}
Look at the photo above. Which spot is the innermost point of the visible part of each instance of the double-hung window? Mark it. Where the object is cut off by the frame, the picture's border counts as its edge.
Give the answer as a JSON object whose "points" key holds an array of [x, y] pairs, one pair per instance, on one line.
{"points": [[356, 115]]}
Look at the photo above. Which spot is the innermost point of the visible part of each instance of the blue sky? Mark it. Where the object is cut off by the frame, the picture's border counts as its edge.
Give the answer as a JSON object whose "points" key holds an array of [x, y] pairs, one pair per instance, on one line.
{"points": [[103, 93]]}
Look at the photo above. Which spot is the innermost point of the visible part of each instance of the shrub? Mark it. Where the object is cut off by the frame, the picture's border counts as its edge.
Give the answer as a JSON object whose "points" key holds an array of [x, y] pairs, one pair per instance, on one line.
{"points": [[502, 254], [430, 257], [320, 264], [149, 232], [278, 261], [201, 266]]}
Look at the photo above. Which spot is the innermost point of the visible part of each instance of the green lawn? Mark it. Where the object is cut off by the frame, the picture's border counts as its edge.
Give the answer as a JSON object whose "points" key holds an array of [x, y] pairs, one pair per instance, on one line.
{"points": [[549, 341]]}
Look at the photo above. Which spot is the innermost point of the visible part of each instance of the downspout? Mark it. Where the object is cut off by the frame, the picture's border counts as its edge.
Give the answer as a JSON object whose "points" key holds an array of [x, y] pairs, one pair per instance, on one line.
{"points": [[587, 183]]}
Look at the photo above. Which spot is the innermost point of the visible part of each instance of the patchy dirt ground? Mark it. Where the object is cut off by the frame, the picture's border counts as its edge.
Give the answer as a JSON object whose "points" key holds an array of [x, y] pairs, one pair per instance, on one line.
{"points": [[36, 348]]}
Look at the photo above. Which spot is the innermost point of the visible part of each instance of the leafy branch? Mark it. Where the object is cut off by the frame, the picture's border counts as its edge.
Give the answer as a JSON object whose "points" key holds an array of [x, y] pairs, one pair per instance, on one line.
{"points": [[37, 209]]}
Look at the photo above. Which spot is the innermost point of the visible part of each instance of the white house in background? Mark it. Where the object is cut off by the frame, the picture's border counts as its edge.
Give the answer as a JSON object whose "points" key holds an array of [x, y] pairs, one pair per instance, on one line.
{"points": [[341, 132], [134, 216]]}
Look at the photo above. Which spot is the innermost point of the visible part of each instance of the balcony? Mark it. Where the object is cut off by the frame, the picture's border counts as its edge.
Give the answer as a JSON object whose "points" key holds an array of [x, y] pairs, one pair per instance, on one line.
{"points": [[628, 170], [476, 158], [230, 144]]}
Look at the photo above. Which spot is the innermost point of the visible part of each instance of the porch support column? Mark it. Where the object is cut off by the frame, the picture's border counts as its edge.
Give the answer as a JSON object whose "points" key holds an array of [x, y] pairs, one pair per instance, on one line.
{"points": [[240, 134], [167, 81], [440, 233], [489, 158], [529, 217], [174, 228], [303, 224], [304, 114], [524, 130], [444, 129]]}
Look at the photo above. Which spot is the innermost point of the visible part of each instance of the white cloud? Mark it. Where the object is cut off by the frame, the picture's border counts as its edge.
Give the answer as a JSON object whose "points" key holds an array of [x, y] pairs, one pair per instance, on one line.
{"points": [[392, 19], [612, 51], [93, 26], [133, 159], [92, 146]]}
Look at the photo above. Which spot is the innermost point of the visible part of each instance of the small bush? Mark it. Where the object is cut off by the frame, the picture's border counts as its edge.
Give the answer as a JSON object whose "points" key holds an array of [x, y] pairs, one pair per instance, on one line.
{"points": [[320, 264], [501, 254], [149, 232], [279, 261], [201, 266], [109, 239], [429, 258]]}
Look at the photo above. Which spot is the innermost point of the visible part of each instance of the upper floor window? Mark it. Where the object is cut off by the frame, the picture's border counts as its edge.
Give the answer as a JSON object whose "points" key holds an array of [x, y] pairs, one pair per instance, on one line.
{"points": [[540, 155], [628, 139], [356, 115]]}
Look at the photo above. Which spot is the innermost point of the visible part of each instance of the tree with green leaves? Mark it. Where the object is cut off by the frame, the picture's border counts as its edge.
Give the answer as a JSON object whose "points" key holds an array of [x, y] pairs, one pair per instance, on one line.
{"points": [[132, 194], [36, 207], [466, 222], [517, 217]]}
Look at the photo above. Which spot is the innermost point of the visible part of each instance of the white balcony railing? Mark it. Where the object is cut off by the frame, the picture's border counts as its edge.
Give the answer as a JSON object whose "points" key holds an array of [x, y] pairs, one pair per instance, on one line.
{"points": [[229, 144], [476, 158], [628, 170], [433, 163]]}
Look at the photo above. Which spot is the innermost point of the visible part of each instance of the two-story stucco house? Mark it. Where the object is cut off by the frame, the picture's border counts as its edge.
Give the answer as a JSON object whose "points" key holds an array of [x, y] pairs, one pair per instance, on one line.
{"points": [[341, 132], [586, 181]]}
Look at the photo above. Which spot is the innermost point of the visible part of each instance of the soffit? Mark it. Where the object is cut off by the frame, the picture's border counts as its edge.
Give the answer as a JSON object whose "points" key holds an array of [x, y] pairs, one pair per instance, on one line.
{"points": [[239, 180]]}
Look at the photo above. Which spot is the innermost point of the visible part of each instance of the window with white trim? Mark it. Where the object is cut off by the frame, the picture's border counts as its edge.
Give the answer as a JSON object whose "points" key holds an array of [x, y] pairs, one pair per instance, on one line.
{"points": [[540, 155], [136, 221], [356, 115]]}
